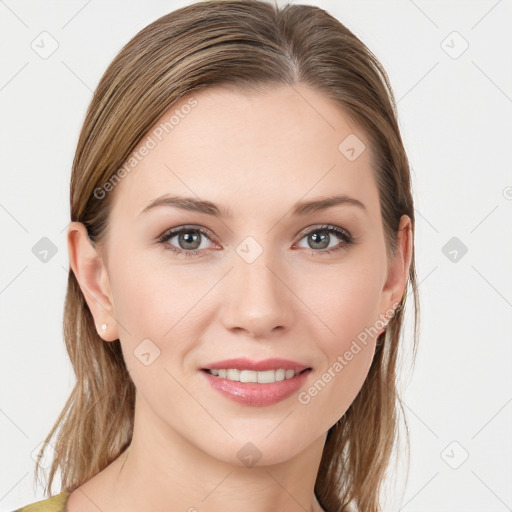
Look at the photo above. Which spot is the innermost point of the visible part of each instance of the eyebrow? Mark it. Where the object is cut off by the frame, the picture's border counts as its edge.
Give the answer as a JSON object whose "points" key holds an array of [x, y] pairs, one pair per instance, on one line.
{"points": [[301, 208]]}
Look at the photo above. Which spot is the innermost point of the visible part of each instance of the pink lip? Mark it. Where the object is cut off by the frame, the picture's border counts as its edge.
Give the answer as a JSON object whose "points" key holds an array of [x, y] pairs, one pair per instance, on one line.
{"points": [[254, 394], [258, 366]]}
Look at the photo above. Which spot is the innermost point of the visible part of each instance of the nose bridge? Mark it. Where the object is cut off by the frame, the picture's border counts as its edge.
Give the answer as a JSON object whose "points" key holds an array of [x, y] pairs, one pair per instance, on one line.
{"points": [[258, 300]]}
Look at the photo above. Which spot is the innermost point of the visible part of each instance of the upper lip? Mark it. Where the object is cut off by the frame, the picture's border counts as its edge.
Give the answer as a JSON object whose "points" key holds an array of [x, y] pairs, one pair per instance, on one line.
{"points": [[243, 363]]}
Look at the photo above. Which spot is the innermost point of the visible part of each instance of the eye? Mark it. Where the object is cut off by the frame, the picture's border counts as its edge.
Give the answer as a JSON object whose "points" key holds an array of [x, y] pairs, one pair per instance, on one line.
{"points": [[189, 243], [320, 238], [188, 240]]}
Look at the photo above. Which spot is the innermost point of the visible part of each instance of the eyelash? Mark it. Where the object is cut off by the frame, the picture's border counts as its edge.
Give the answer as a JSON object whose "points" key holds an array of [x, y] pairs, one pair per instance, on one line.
{"points": [[344, 235]]}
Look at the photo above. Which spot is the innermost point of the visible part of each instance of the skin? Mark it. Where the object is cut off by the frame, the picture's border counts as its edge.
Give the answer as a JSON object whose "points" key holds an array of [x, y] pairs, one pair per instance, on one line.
{"points": [[257, 155]]}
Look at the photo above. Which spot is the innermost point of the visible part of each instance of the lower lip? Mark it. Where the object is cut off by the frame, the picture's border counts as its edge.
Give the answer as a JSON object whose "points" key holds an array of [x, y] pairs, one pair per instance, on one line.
{"points": [[254, 394]]}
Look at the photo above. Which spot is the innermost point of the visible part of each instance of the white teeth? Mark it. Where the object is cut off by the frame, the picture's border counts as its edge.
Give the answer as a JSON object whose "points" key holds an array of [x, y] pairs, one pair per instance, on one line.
{"points": [[267, 376], [264, 377], [248, 376], [233, 374]]}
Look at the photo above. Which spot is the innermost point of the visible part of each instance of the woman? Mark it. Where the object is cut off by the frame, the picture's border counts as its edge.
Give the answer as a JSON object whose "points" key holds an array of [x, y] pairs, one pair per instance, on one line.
{"points": [[241, 242]]}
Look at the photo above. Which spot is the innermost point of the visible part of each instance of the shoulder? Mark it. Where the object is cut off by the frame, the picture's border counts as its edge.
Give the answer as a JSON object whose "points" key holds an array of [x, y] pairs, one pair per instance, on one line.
{"points": [[56, 503]]}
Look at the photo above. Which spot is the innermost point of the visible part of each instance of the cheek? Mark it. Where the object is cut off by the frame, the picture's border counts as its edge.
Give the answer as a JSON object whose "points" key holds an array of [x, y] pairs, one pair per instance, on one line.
{"points": [[346, 305], [158, 309], [345, 299], [153, 316], [143, 303], [146, 308]]}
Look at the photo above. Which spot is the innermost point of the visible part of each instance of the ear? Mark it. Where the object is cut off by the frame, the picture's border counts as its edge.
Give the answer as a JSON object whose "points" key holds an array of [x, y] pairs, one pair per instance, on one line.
{"points": [[91, 274], [398, 270]]}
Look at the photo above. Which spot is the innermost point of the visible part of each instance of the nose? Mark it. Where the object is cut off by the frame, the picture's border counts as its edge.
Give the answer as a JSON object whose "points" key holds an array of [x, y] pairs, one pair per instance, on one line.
{"points": [[258, 300]]}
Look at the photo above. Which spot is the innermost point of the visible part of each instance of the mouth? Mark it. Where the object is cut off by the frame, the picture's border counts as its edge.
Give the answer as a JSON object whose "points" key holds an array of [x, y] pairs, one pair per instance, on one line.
{"points": [[266, 371]]}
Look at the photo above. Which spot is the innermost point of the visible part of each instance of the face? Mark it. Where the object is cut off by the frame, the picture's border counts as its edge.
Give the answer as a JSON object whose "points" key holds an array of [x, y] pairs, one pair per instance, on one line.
{"points": [[261, 278]]}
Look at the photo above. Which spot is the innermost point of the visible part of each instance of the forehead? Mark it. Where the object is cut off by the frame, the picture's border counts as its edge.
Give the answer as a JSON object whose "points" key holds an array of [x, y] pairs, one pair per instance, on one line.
{"points": [[249, 152]]}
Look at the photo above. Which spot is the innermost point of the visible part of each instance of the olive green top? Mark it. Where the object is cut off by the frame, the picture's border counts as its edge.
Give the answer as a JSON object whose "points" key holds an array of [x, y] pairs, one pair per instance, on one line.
{"points": [[56, 503]]}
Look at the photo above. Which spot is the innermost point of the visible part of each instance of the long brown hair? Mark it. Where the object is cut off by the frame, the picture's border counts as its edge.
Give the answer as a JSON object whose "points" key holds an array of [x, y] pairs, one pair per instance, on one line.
{"points": [[247, 45]]}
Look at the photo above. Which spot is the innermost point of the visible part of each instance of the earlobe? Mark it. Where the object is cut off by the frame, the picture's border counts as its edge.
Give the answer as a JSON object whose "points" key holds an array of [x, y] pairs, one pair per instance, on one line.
{"points": [[91, 274]]}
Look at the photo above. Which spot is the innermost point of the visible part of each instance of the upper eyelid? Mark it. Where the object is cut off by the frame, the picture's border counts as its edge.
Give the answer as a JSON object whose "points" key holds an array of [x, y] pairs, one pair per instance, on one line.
{"points": [[319, 227]]}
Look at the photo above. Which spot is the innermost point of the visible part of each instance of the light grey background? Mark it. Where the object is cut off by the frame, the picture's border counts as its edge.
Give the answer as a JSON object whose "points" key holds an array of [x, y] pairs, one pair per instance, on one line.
{"points": [[455, 114]]}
